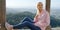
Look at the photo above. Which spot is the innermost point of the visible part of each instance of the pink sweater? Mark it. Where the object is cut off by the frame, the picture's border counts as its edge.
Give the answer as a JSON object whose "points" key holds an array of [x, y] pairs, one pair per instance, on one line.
{"points": [[42, 20]]}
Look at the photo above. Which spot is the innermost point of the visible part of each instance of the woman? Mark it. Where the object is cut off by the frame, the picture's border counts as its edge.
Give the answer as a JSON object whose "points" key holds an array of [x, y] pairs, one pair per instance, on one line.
{"points": [[41, 20]]}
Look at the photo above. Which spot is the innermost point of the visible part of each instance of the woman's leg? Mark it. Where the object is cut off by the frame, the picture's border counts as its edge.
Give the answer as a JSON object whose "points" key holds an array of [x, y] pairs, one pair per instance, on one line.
{"points": [[27, 19], [28, 24]]}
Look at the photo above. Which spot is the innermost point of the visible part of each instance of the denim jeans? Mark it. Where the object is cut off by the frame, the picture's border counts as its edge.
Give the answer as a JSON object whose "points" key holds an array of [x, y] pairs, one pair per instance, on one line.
{"points": [[27, 22]]}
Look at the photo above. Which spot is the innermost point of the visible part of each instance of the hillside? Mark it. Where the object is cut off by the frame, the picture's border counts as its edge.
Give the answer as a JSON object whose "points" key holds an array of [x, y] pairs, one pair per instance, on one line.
{"points": [[18, 10]]}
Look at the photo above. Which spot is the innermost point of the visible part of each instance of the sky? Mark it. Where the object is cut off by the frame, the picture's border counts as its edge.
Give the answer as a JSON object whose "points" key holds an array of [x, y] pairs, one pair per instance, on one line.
{"points": [[55, 3], [22, 3], [30, 3]]}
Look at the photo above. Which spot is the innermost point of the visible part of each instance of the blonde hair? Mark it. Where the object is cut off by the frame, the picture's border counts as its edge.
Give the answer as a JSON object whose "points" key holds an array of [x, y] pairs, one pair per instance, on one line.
{"points": [[37, 5]]}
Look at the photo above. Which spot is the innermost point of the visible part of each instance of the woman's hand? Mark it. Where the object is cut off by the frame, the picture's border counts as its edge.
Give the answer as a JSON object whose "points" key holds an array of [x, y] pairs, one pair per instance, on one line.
{"points": [[8, 26], [36, 18]]}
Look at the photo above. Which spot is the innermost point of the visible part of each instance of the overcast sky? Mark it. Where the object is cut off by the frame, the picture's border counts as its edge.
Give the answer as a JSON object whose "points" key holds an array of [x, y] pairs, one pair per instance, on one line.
{"points": [[30, 3]]}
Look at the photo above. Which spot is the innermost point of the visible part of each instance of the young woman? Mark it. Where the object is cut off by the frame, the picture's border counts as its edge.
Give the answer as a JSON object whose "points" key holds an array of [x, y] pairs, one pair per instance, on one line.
{"points": [[40, 22]]}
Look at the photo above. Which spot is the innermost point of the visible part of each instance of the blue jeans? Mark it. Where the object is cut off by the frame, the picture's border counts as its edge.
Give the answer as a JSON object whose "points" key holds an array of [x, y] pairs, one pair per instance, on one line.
{"points": [[27, 22]]}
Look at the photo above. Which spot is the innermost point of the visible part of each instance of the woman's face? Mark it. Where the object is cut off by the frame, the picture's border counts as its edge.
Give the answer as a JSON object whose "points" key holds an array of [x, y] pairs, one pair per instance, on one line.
{"points": [[40, 6]]}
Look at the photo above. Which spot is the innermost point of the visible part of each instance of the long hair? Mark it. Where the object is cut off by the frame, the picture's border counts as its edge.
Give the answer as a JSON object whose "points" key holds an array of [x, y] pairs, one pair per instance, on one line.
{"points": [[37, 5]]}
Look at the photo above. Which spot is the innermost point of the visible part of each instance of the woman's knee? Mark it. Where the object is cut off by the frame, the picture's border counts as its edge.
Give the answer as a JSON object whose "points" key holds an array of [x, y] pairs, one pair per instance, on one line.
{"points": [[26, 18]]}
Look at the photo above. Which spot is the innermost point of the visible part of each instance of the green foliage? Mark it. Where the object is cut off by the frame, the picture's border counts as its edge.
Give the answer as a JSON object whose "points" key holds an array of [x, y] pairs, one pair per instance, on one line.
{"points": [[54, 22]]}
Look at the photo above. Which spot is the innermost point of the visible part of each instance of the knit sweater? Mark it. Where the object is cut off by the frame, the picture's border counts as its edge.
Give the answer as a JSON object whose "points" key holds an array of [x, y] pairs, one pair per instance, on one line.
{"points": [[42, 20]]}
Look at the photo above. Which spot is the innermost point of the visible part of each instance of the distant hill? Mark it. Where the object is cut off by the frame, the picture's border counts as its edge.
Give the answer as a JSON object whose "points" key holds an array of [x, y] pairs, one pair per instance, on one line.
{"points": [[18, 10], [53, 12]]}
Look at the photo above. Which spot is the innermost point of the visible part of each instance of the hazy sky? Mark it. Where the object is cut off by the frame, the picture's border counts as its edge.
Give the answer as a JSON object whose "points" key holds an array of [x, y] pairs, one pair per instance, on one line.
{"points": [[30, 3]]}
